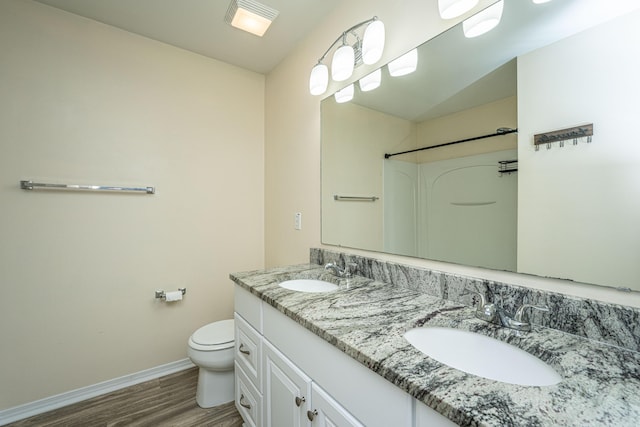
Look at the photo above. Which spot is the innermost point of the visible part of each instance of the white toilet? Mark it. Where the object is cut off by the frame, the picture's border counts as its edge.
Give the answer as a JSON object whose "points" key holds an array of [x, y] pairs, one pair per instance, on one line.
{"points": [[211, 349]]}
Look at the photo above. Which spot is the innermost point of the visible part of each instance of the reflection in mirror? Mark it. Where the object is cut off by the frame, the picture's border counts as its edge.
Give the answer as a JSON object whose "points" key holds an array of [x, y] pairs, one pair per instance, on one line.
{"points": [[568, 212]]}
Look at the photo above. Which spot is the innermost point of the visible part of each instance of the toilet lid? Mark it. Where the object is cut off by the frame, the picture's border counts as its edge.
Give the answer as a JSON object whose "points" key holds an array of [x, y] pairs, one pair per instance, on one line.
{"points": [[214, 333]]}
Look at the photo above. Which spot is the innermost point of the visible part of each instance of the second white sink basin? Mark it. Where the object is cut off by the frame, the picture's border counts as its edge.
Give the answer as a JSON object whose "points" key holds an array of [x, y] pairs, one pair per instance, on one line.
{"points": [[309, 285], [482, 356]]}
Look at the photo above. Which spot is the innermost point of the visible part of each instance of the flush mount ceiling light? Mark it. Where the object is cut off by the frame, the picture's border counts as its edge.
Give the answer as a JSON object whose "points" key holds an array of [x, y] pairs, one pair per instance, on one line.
{"points": [[453, 8], [250, 16], [541, 1], [363, 49], [483, 21]]}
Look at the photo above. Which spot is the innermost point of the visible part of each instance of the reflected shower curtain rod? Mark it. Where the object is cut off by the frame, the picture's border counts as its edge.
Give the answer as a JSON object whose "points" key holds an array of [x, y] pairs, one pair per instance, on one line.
{"points": [[499, 132]]}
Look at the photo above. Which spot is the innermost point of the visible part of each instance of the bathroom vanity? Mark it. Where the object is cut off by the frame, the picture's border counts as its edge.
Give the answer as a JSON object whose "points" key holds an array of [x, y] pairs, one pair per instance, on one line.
{"points": [[288, 376], [341, 357]]}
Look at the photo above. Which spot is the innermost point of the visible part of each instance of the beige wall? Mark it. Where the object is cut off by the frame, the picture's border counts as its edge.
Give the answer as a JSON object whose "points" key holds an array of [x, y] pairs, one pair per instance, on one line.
{"points": [[292, 164], [482, 120], [355, 139], [82, 102]]}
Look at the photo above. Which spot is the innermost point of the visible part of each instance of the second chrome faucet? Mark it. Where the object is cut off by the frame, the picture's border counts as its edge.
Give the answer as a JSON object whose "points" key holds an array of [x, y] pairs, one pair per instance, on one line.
{"points": [[490, 312], [347, 272]]}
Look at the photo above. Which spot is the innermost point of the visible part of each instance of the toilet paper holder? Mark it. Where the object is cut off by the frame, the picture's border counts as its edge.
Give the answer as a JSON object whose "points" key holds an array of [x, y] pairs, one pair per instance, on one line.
{"points": [[162, 294]]}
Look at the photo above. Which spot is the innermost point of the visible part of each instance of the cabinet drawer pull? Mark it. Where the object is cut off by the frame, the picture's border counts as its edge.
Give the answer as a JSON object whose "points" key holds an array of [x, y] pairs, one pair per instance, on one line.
{"points": [[242, 350], [312, 414], [244, 404], [300, 401]]}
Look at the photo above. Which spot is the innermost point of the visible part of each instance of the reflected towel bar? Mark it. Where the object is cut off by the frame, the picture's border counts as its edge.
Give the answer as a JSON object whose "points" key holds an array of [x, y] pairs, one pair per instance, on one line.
{"points": [[355, 198], [30, 185]]}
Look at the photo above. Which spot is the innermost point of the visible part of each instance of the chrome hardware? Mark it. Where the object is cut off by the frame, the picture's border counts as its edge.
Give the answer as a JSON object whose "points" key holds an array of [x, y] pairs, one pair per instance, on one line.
{"points": [[162, 294], [520, 311], [243, 404], [30, 185], [484, 311], [517, 322], [355, 198], [312, 414], [242, 350], [490, 312], [300, 401], [348, 271]]}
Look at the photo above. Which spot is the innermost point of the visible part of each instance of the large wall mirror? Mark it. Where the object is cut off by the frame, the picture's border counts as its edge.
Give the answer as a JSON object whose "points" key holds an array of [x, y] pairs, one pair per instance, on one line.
{"points": [[568, 209]]}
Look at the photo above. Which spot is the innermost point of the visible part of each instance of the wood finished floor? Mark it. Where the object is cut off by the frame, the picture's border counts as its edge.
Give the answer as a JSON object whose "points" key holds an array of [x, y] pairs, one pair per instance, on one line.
{"points": [[166, 401]]}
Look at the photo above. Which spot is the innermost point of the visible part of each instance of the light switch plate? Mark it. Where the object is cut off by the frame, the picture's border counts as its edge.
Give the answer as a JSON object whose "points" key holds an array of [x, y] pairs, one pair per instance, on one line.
{"points": [[298, 221]]}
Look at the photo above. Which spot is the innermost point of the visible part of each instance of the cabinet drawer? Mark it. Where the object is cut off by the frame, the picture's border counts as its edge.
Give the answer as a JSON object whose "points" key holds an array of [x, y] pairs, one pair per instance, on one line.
{"points": [[248, 399], [248, 306], [248, 350]]}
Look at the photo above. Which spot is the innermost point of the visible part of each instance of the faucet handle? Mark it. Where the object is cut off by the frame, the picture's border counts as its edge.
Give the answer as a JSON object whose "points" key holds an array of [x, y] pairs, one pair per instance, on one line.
{"points": [[523, 307], [483, 300], [349, 269], [484, 311]]}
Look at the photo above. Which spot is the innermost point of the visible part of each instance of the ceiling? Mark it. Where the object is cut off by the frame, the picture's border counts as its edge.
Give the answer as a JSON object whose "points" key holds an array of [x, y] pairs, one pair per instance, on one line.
{"points": [[198, 26]]}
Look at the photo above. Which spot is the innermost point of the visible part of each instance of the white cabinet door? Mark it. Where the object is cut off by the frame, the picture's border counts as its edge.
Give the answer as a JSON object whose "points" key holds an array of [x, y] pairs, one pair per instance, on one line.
{"points": [[326, 412], [286, 390]]}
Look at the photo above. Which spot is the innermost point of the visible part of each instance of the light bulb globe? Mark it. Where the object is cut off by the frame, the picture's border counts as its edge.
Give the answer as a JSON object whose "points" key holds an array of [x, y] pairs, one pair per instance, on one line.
{"points": [[319, 79], [404, 65], [373, 42], [483, 21], [453, 8], [344, 95], [343, 63], [371, 81]]}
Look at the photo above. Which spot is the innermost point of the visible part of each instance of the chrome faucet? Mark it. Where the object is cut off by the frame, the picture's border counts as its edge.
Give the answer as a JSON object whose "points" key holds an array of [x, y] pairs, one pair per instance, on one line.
{"points": [[517, 322], [347, 272], [489, 312]]}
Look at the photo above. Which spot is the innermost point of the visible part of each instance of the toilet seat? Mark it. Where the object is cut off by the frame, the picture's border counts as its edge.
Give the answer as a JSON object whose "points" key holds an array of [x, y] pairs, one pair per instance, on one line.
{"points": [[214, 336]]}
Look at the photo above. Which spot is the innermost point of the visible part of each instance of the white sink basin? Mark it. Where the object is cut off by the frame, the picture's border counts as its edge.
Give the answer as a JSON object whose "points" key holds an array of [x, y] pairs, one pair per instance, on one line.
{"points": [[309, 285], [482, 356]]}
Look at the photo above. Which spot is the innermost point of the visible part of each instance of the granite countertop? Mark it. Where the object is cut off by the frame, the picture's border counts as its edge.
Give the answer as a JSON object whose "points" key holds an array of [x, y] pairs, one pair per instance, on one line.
{"points": [[367, 319]]}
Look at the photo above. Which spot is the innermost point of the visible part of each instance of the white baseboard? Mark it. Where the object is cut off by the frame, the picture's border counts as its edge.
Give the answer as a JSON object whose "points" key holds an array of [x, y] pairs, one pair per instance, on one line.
{"points": [[58, 401]]}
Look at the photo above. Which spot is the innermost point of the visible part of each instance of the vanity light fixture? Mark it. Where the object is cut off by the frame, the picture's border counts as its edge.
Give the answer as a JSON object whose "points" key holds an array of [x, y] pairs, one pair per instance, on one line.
{"points": [[344, 95], [483, 21], [250, 16], [365, 49], [404, 65], [453, 8], [541, 1]]}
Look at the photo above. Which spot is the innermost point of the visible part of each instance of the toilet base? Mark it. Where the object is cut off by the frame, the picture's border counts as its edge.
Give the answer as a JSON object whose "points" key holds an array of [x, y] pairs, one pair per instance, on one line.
{"points": [[215, 388]]}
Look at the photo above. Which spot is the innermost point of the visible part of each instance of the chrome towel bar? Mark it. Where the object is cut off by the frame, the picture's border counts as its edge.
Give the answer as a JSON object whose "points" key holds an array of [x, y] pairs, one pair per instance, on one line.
{"points": [[30, 185], [355, 198]]}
